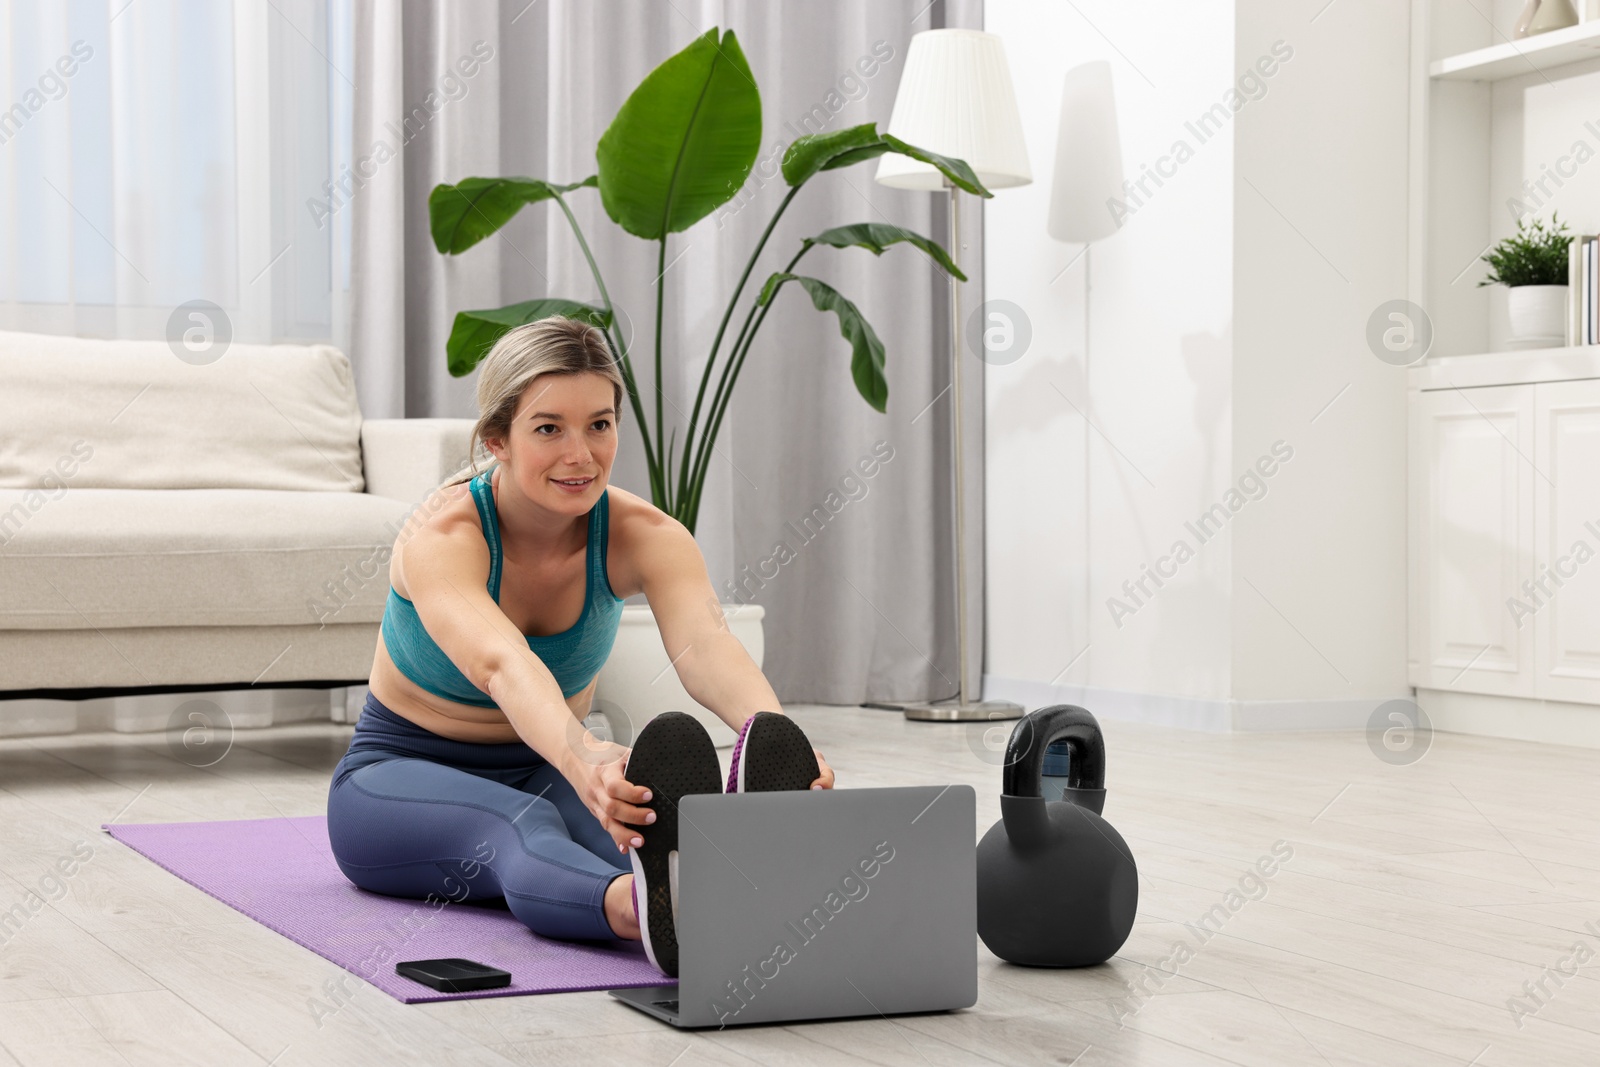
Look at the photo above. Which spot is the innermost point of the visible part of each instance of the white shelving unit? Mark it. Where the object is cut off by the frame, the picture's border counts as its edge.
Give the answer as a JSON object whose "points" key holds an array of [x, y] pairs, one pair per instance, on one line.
{"points": [[1504, 368], [1531, 55], [1502, 472], [1489, 113]]}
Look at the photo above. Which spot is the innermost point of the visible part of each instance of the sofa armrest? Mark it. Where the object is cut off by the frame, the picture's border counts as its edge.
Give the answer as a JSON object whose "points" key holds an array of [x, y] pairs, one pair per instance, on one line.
{"points": [[406, 459]]}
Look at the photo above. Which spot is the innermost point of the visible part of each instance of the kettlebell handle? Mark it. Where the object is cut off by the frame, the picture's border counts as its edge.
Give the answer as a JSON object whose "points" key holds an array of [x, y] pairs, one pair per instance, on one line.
{"points": [[1086, 769]]}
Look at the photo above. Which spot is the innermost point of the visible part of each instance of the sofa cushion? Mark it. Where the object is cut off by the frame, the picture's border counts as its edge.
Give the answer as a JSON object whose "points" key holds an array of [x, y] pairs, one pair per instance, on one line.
{"points": [[81, 558], [223, 656], [132, 415]]}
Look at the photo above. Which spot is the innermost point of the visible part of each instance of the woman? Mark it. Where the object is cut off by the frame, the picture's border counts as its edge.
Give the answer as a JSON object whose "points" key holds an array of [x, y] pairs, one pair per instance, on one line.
{"points": [[470, 774]]}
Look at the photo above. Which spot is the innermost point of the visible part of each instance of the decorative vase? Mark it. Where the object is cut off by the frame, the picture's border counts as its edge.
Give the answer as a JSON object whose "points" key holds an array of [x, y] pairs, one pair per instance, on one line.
{"points": [[1542, 16], [638, 681], [1525, 19], [1538, 315]]}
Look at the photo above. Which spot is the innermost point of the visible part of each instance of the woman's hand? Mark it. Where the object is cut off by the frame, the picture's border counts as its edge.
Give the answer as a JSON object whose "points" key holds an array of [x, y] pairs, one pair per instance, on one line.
{"points": [[595, 771], [826, 780]]}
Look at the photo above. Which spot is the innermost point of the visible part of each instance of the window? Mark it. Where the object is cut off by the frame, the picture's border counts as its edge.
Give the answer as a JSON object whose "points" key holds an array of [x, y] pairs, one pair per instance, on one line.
{"points": [[157, 152]]}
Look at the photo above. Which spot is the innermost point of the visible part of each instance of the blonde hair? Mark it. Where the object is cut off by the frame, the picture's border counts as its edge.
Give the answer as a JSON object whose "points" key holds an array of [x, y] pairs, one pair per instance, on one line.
{"points": [[556, 345]]}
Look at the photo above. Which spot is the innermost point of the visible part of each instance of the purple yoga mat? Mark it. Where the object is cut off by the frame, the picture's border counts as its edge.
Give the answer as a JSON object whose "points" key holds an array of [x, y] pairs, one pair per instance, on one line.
{"points": [[281, 873]]}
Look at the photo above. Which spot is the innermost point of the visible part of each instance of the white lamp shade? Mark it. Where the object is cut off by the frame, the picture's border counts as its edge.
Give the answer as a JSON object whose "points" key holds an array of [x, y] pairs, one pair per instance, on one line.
{"points": [[1088, 171], [955, 98]]}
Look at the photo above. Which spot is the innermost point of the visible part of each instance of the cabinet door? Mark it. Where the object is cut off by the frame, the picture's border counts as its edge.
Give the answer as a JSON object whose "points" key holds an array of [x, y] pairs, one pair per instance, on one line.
{"points": [[1472, 482], [1565, 571]]}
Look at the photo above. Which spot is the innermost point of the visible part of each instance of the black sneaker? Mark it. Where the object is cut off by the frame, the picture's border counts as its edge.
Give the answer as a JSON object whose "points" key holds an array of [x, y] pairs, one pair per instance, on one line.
{"points": [[672, 757], [772, 753]]}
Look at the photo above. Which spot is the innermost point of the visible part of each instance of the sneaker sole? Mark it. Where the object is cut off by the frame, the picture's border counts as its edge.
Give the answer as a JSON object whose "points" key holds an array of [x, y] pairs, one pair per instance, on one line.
{"points": [[673, 757], [775, 755]]}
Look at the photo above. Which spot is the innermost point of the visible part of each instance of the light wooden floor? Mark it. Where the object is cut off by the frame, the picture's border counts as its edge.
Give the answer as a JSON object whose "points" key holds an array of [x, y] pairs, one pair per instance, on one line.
{"points": [[1418, 901]]}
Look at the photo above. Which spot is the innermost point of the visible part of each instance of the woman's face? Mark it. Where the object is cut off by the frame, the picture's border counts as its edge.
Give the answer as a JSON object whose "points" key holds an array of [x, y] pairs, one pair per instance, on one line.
{"points": [[563, 441]]}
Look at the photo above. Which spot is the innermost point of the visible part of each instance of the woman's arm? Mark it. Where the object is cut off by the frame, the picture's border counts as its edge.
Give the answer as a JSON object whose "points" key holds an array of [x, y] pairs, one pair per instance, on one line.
{"points": [[446, 569], [711, 662]]}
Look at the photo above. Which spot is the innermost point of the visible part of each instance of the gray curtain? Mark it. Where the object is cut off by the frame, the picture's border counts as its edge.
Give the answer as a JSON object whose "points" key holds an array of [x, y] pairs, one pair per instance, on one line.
{"points": [[838, 520]]}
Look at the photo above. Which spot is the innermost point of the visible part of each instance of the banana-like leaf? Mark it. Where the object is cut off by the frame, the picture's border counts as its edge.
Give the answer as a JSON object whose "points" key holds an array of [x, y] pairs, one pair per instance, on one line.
{"points": [[475, 332], [809, 152], [876, 237], [866, 351], [463, 214], [769, 288], [841, 148], [683, 143]]}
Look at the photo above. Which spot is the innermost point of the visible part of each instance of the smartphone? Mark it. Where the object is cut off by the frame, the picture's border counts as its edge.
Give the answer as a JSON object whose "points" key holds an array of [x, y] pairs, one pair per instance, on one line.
{"points": [[453, 976]]}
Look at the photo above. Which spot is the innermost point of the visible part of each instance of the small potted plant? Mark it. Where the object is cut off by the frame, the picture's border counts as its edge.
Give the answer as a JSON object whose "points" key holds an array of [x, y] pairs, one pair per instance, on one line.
{"points": [[1533, 265]]}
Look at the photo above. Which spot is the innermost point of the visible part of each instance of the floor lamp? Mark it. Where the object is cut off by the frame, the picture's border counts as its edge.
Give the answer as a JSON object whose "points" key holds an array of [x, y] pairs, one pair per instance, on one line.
{"points": [[1086, 180], [1088, 168], [955, 98]]}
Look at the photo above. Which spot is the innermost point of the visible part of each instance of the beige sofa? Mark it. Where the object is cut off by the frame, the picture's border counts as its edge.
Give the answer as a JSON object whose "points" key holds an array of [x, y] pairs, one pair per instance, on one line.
{"points": [[167, 524]]}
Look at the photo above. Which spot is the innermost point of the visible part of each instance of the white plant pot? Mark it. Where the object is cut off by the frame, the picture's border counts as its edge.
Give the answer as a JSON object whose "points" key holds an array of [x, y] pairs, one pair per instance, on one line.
{"points": [[638, 681], [1538, 313]]}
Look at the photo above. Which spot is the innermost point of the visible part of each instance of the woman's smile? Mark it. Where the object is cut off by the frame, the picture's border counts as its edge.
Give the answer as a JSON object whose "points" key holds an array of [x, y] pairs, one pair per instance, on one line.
{"points": [[574, 486]]}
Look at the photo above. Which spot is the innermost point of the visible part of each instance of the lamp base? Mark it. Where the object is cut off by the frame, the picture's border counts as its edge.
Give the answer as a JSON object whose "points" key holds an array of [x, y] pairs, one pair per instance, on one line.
{"points": [[955, 711]]}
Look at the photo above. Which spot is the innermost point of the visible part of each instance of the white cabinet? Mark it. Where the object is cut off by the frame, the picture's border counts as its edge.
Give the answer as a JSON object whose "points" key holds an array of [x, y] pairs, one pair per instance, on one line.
{"points": [[1472, 487], [1565, 576], [1505, 535]]}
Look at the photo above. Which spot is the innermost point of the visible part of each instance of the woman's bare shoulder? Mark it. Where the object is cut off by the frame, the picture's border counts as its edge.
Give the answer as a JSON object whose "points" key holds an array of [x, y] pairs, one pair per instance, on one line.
{"points": [[445, 521], [443, 512], [631, 514], [638, 531]]}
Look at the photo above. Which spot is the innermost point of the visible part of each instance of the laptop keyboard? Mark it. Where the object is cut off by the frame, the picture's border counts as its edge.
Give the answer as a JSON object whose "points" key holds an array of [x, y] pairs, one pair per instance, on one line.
{"points": [[670, 1005]]}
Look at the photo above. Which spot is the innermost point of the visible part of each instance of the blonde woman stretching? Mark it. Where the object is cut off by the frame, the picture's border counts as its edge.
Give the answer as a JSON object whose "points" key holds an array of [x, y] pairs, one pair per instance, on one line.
{"points": [[470, 775]]}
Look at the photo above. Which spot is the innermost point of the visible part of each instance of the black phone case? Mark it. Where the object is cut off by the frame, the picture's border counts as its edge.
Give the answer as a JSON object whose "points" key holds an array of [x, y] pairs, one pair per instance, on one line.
{"points": [[453, 976]]}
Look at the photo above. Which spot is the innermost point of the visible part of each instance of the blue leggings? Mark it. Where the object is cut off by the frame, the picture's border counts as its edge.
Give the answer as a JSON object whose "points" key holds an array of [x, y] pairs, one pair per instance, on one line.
{"points": [[412, 814]]}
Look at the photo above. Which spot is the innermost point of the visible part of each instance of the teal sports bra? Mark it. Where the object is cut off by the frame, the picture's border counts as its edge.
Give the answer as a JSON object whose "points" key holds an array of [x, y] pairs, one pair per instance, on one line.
{"points": [[574, 656]]}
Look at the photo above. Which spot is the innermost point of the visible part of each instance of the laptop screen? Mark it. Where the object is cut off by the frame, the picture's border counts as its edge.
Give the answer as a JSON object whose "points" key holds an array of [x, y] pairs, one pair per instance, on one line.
{"points": [[826, 903]]}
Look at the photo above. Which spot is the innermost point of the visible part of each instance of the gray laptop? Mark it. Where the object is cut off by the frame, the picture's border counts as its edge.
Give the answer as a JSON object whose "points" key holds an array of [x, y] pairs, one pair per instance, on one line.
{"points": [[822, 904]]}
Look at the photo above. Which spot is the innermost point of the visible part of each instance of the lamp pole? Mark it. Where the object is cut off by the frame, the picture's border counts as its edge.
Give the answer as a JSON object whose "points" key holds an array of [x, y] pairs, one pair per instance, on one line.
{"points": [[955, 400], [963, 708]]}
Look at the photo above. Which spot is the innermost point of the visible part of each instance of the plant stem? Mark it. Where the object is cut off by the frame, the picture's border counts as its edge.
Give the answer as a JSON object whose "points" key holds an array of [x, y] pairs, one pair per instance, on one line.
{"points": [[714, 425], [694, 473], [730, 377], [716, 344], [661, 294], [619, 351], [670, 442], [577, 232], [698, 467]]}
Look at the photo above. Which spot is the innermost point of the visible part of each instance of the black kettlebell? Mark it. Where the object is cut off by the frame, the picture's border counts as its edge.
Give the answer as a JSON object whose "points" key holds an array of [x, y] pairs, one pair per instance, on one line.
{"points": [[1057, 885]]}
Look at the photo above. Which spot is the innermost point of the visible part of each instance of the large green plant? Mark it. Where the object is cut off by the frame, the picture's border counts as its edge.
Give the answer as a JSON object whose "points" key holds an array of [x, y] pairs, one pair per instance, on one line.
{"points": [[681, 146]]}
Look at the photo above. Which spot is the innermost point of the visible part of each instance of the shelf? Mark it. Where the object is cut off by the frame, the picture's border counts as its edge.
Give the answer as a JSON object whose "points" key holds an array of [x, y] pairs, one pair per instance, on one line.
{"points": [[1528, 56], [1506, 368]]}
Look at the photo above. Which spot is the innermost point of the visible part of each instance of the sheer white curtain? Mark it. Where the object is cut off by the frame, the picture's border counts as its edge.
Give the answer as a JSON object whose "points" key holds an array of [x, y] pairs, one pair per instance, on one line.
{"points": [[157, 152]]}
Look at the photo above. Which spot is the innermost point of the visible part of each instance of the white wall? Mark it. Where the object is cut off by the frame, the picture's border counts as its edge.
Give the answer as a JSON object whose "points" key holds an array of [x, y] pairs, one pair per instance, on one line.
{"points": [[1158, 371], [1320, 242], [1216, 331]]}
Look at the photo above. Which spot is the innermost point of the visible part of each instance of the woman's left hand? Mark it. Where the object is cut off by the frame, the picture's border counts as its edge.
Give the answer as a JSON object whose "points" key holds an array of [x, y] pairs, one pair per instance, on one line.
{"points": [[826, 781]]}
